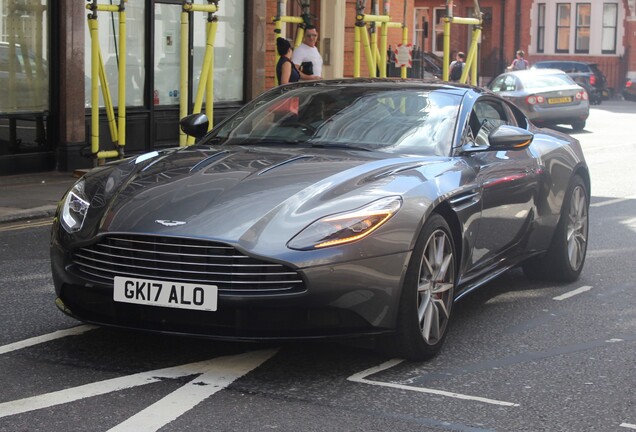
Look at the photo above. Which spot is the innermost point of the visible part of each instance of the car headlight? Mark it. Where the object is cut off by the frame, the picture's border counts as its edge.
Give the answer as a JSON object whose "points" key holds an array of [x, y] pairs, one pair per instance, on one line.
{"points": [[346, 227], [74, 208]]}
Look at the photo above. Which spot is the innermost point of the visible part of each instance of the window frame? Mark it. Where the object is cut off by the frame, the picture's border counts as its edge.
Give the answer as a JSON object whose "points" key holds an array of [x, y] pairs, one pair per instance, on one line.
{"points": [[581, 27], [614, 27], [558, 36], [541, 10]]}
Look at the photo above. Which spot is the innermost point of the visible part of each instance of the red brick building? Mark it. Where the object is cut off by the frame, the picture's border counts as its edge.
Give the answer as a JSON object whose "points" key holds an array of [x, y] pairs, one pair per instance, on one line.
{"points": [[602, 32]]}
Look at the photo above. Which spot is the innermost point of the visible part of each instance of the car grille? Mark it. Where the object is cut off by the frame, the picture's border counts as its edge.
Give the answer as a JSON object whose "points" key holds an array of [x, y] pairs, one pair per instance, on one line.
{"points": [[177, 259]]}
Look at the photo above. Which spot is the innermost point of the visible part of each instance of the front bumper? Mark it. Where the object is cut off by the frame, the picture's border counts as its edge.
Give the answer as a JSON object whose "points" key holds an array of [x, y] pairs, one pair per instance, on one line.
{"points": [[341, 299]]}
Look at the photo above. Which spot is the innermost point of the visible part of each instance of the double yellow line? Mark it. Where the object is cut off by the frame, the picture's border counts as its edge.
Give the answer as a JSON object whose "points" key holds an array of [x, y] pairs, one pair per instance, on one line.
{"points": [[25, 225]]}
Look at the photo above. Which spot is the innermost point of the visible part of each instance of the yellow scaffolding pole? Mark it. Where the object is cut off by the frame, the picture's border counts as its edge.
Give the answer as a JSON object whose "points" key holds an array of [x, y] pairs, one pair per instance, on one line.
{"points": [[375, 55], [98, 75], [206, 86], [471, 59]]}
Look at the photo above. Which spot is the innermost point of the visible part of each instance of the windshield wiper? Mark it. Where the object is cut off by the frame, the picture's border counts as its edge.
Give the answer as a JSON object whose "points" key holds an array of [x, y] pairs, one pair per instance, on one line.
{"points": [[339, 146]]}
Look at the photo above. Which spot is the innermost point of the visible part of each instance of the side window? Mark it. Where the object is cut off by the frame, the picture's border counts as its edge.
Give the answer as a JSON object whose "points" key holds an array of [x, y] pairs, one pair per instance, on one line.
{"points": [[487, 115]]}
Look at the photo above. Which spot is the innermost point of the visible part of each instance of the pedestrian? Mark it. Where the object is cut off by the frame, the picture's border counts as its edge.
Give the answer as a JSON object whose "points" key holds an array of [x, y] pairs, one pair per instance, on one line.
{"points": [[457, 67], [519, 63], [306, 57], [286, 71]]}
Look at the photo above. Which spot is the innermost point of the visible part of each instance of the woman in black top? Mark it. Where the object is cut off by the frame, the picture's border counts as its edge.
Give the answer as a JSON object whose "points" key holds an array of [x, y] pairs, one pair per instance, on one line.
{"points": [[286, 71]]}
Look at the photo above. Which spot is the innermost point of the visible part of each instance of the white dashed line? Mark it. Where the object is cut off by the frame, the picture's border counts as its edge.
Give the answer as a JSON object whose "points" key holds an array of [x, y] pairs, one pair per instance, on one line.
{"points": [[572, 293], [74, 331], [360, 377], [628, 425]]}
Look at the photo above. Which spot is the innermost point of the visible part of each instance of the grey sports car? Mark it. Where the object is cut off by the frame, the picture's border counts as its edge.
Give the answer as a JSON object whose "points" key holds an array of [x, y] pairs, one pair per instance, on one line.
{"points": [[325, 209]]}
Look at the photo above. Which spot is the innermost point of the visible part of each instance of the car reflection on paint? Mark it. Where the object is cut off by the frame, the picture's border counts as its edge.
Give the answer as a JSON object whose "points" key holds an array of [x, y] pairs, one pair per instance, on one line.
{"points": [[325, 209]]}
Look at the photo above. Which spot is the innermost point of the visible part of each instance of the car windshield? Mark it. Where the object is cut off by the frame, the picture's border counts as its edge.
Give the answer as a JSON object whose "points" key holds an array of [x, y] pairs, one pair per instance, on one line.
{"points": [[405, 120], [537, 82]]}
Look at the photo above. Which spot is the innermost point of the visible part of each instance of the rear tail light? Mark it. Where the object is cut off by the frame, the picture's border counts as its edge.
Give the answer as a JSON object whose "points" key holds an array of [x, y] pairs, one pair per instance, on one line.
{"points": [[628, 84], [582, 95], [593, 80], [534, 100]]}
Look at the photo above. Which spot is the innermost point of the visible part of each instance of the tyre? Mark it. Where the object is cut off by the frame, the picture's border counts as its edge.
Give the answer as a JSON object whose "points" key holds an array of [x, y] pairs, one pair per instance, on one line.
{"points": [[564, 259], [578, 125], [427, 296]]}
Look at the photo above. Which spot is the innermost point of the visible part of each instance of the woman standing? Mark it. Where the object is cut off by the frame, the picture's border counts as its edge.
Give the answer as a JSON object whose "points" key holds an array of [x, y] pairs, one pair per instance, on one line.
{"points": [[286, 71]]}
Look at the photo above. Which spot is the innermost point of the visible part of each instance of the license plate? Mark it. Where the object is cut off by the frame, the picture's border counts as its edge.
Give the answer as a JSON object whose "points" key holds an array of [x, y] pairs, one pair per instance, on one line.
{"points": [[559, 100], [165, 294]]}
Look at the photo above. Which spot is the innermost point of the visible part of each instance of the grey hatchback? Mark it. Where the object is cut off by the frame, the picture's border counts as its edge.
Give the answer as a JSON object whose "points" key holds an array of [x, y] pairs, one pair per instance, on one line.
{"points": [[546, 96]]}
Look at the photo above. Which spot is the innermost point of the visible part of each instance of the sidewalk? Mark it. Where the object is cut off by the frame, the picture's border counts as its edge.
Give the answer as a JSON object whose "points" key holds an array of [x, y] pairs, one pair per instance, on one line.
{"points": [[32, 196]]}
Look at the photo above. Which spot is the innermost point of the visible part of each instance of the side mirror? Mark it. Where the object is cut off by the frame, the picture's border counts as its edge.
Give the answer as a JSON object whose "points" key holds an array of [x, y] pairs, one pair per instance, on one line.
{"points": [[500, 138], [195, 125], [507, 137]]}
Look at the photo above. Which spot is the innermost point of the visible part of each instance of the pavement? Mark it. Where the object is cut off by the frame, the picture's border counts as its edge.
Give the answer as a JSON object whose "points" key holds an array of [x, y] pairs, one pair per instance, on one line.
{"points": [[32, 196]]}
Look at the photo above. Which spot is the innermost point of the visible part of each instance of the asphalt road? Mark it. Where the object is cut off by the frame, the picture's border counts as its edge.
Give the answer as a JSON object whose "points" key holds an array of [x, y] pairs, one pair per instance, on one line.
{"points": [[521, 355]]}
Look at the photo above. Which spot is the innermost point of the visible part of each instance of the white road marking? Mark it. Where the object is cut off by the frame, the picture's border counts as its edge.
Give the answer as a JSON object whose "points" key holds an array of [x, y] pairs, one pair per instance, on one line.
{"points": [[219, 373], [223, 369], [360, 377], [45, 338], [613, 201], [628, 425], [572, 293]]}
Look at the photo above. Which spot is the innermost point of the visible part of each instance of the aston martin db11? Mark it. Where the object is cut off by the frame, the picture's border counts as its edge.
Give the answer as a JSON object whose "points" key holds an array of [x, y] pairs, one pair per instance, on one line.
{"points": [[325, 209]]}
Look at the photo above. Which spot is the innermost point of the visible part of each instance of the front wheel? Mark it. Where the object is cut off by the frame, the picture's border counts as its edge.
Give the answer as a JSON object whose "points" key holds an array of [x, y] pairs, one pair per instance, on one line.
{"points": [[427, 296], [564, 260]]}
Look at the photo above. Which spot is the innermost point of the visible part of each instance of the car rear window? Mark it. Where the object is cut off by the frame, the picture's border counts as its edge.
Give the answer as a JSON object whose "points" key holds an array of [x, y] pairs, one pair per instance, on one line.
{"points": [[539, 82]]}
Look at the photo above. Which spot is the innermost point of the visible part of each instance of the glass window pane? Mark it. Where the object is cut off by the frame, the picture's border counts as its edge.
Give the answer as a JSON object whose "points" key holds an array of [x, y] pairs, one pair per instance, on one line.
{"points": [[609, 14], [228, 52], [24, 68], [108, 24], [609, 40], [167, 67]]}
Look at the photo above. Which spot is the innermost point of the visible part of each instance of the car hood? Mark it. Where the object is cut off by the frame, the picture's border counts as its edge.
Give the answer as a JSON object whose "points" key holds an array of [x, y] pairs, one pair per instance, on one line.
{"points": [[236, 195]]}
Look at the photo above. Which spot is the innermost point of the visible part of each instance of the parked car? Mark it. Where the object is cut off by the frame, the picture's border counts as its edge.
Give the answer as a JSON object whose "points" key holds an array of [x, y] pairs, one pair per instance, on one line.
{"points": [[587, 75], [546, 96], [629, 91], [325, 209]]}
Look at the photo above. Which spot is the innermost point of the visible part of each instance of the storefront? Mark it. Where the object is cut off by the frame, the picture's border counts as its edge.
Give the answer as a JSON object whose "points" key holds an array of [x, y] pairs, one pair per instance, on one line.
{"points": [[45, 75]]}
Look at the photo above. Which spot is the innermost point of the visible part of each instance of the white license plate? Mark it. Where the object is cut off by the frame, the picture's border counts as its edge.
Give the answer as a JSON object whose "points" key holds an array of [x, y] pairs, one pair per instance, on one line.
{"points": [[166, 294]]}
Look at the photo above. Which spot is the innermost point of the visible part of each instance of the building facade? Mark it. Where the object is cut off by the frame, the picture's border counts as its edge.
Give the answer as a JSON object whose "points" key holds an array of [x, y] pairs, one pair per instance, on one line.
{"points": [[45, 59]]}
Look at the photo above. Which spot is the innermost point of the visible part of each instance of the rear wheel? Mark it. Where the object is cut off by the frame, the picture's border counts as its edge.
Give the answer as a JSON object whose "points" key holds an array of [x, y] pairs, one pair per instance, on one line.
{"points": [[578, 125], [427, 295], [564, 260]]}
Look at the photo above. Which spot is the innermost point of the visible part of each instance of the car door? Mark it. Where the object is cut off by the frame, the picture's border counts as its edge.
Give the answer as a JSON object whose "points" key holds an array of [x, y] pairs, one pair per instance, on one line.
{"points": [[508, 182]]}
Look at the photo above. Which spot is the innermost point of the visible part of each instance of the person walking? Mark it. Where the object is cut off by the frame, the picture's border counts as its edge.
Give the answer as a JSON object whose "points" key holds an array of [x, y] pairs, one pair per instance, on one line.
{"points": [[286, 71], [457, 67], [519, 63], [306, 57]]}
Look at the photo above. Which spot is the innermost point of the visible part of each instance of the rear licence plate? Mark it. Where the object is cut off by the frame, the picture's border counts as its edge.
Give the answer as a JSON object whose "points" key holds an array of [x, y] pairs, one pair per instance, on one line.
{"points": [[166, 294], [559, 100]]}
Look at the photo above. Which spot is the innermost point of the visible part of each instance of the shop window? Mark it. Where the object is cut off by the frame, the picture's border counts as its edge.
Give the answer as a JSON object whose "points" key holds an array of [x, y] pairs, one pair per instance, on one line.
{"points": [[24, 76], [109, 45]]}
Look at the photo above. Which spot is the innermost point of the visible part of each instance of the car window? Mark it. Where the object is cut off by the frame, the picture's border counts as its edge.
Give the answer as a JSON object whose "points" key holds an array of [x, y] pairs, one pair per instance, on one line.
{"points": [[406, 121], [486, 115], [504, 83], [537, 82]]}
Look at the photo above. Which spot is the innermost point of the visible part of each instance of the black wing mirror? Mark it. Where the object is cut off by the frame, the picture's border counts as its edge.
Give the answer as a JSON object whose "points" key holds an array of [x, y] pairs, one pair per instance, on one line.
{"points": [[500, 138], [195, 125]]}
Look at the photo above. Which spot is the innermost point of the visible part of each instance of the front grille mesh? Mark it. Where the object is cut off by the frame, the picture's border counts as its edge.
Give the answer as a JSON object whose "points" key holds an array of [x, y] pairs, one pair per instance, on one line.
{"points": [[176, 259]]}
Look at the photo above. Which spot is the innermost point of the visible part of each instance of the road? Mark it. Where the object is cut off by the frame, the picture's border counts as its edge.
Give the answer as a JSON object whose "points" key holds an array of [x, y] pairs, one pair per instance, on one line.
{"points": [[521, 355]]}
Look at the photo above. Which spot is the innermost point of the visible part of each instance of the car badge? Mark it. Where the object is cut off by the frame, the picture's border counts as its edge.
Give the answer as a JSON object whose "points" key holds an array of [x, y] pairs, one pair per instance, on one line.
{"points": [[170, 223]]}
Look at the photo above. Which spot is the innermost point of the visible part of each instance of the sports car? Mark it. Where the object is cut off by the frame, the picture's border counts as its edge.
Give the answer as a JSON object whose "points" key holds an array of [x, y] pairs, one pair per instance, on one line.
{"points": [[325, 209]]}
